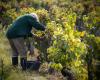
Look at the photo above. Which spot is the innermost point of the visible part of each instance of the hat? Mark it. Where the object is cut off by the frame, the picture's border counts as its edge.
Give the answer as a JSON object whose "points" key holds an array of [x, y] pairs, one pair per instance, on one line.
{"points": [[34, 15]]}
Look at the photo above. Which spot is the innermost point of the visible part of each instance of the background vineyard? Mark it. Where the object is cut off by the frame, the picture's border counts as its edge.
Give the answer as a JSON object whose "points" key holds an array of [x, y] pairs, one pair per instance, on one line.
{"points": [[72, 38]]}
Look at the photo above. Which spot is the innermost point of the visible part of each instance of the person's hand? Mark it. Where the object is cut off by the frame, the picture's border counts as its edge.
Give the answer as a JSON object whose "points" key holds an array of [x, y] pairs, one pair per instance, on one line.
{"points": [[31, 54]]}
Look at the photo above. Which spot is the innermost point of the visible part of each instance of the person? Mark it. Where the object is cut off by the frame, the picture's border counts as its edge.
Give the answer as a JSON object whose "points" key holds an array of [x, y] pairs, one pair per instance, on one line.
{"points": [[17, 35]]}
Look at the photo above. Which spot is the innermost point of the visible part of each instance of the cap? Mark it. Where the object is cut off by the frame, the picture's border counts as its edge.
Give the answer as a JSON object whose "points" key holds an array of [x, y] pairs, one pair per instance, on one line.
{"points": [[34, 15]]}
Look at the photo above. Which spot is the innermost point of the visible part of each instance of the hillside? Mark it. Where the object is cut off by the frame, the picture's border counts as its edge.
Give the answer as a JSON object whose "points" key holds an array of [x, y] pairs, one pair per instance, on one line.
{"points": [[68, 48]]}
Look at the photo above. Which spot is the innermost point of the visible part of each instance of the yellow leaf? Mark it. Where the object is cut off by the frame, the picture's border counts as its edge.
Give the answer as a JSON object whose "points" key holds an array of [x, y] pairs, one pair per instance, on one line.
{"points": [[82, 33]]}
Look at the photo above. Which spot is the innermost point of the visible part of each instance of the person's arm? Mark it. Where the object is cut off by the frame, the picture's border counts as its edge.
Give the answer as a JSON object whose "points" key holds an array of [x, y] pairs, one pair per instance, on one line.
{"points": [[36, 24], [39, 26]]}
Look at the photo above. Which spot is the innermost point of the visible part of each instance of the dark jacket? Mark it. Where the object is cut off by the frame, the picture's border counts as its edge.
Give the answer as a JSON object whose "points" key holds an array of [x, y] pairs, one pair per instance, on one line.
{"points": [[23, 26]]}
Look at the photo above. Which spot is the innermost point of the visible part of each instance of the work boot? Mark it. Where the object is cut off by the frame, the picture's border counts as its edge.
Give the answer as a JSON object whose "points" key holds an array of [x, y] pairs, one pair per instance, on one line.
{"points": [[23, 63], [15, 61]]}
